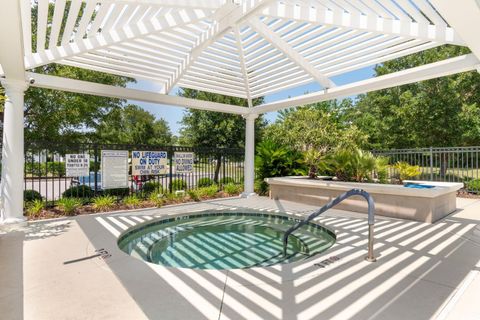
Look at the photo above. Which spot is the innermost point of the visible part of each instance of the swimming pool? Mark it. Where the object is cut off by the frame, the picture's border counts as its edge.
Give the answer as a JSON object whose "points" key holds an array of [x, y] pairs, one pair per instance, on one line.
{"points": [[223, 240]]}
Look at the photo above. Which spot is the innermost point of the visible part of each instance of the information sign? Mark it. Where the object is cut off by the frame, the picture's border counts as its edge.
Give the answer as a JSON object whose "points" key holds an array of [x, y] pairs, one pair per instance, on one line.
{"points": [[114, 169], [149, 163], [184, 162], [77, 165]]}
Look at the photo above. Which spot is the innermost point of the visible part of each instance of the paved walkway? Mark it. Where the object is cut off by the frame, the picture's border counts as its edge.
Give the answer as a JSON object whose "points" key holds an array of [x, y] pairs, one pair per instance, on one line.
{"points": [[424, 271]]}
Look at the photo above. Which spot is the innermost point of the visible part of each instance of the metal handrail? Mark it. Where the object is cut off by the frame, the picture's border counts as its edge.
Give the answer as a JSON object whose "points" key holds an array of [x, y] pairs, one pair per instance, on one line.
{"points": [[331, 204]]}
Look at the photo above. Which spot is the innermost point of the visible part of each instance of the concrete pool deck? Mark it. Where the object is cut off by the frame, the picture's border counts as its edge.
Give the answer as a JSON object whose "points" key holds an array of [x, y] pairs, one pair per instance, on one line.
{"points": [[424, 271]]}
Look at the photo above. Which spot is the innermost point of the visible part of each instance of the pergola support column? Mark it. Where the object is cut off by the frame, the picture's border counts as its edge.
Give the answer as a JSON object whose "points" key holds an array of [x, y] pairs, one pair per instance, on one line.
{"points": [[11, 187], [249, 168]]}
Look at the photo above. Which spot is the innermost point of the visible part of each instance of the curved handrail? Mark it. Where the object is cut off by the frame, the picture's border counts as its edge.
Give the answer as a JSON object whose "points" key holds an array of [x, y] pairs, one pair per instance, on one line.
{"points": [[331, 204]]}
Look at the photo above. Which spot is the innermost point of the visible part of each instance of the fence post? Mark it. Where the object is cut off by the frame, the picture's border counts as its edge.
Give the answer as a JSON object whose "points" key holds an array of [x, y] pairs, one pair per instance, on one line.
{"points": [[431, 163], [95, 168]]}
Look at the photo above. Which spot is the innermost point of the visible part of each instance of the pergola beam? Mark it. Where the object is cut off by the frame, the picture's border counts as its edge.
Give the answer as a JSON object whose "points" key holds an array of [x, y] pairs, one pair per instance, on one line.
{"points": [[102, 90], [429, 71], [294, 56], [241, 55], [335, 17], [225, 18], [463, 16]]}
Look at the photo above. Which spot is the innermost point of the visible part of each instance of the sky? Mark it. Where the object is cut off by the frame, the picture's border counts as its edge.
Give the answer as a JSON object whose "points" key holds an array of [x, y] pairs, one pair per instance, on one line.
{"points": [[173, 115]]}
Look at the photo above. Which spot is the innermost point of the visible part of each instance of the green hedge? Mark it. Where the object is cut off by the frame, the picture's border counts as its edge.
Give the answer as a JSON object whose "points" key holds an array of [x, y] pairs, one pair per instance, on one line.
{"points": [[152, 186], [178, 184], [204, 182], [36, 169], [118, 192], [31, 195], [81, 191], [227, 180]]}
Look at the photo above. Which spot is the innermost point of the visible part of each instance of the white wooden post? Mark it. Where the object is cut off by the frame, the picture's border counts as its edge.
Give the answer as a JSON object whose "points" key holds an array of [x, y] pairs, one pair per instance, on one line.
{"points": [[249, 168], [11, 186]]}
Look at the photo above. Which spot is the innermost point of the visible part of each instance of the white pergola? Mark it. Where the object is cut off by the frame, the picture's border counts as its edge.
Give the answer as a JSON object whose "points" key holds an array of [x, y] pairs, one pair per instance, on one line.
{"points": [[241, 48]]}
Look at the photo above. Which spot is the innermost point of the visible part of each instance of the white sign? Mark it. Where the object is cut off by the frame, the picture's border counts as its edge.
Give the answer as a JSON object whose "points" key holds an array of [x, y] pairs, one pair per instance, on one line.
{"points": [[77, 165], [149, 163], [114, 169], [184, 162]]}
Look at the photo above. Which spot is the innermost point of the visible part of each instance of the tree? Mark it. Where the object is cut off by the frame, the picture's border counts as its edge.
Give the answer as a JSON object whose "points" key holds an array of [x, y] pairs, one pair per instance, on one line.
{"points": [[66, 117], [60, 116], [441, 112], [320, 126], [211, 129], [133, 125]]}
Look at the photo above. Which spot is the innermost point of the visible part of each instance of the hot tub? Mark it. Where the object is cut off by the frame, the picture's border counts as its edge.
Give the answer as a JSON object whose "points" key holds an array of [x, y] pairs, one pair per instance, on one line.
{"points": [[224, 240], [425, 201]]}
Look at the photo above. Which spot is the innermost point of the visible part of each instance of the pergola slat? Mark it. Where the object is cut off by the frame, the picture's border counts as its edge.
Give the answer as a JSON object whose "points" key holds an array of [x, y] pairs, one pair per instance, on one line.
{"points": [[248, 46], [42, 16]]}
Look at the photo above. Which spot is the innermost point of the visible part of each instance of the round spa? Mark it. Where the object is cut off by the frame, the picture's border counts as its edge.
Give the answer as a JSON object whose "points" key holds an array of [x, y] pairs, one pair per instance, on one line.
{"points": [[223, 240]]}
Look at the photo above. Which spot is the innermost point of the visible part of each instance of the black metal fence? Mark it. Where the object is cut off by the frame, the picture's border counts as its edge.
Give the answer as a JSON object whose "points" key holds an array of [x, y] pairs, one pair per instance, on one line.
{"points": [[45, 170], [456, 164]]}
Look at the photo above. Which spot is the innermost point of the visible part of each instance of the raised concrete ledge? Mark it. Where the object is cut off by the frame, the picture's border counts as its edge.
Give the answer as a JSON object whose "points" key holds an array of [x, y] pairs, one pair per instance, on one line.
{"points": [[441, 188], [396, 201]]}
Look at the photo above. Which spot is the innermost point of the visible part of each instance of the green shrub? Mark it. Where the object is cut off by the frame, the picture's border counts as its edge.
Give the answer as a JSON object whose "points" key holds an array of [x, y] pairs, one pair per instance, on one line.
{"points": [[104, 203], [31, 195], [232, 189], [152, 186], [381, 168], [117, 192], [273, 160], [175, 196], [227, 180], [353, 165], [209, 192], [406, 171], [194, 194], [34, 169], [157, 199], [94, 167], [315, 160], [69, 205], [131, 201], [473, 185], [56, 168], [204, 182], [178, 184], [261, 187], [35, 207], [81, 191]]}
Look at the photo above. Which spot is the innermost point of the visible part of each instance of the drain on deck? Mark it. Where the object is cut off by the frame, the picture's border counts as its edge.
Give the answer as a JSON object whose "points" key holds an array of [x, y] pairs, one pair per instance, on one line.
{"points": [[100, 253]]}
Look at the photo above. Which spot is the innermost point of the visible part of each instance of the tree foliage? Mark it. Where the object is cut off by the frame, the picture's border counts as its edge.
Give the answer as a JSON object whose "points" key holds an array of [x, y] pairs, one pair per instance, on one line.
{"points": [[320, 126], [440, 112], [66, 117], [133, 125], [215, 129], [63, 117]]}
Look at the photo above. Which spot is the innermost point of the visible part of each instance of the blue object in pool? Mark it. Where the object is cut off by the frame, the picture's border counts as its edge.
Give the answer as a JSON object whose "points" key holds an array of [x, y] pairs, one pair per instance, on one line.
{"points": [[418, 186]]}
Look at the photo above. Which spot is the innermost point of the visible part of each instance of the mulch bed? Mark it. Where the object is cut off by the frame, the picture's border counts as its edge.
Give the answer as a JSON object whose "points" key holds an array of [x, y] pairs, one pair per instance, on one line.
{"points": [[55, 212]]}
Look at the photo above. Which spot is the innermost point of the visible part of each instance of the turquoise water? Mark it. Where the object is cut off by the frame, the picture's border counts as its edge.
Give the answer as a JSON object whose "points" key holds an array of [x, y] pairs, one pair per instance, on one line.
{"points": [[418, 186], [224, 241]]}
